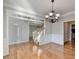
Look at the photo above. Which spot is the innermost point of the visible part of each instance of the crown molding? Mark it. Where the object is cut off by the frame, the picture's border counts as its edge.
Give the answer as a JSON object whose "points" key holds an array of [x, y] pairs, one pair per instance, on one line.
{"points": [[68, 13], [7, 6]]}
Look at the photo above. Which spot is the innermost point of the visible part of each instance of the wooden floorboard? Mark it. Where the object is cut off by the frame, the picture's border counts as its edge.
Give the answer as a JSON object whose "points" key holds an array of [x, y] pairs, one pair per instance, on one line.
{"points": [[47, 51]]}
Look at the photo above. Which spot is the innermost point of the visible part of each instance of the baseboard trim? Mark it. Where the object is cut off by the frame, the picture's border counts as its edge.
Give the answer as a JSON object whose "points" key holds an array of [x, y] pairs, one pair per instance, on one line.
{"points": [[66, 42], [51, 43], [14, 43], [5, 56]]}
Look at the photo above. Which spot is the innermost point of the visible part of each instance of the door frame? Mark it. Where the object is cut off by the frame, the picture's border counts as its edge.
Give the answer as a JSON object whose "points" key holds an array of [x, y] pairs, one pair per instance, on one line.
{"points": [[63, 28]]}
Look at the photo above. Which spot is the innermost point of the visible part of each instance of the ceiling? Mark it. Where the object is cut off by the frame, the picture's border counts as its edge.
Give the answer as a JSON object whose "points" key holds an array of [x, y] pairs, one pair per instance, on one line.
{"points": [[41, 7]]}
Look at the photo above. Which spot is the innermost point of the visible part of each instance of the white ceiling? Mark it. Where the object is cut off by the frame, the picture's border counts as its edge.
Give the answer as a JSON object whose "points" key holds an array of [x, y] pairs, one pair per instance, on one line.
{"points": [[41, 7]]}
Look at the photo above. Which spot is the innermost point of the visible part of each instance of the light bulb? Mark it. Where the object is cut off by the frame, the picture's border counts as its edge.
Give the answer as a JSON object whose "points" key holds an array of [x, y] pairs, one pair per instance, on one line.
{"points": [[46, 16], [51, 14], [57, 15]]}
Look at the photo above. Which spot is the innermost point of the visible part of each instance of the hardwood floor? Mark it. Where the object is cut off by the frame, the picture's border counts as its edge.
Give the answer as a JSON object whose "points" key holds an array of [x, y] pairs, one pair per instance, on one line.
{"points": [[47, 51]]}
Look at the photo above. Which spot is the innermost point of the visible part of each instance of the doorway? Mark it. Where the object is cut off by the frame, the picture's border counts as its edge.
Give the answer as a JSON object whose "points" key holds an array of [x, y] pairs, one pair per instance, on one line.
{"points": [[73, 31], [69, 32], [73, 34]]}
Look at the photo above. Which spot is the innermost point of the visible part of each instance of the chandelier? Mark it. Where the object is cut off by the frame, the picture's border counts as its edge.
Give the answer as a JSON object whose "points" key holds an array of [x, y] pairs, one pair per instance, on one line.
{"points": [[52, 16]]}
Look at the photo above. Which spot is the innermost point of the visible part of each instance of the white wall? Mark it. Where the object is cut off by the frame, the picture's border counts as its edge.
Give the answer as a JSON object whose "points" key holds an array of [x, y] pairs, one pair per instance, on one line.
{"points": [[48, 32], [55, 32], [5, 41], [18, 31]]}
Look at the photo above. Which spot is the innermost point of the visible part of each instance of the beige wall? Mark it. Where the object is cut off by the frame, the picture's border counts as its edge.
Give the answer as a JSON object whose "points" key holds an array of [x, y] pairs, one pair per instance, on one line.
{"points": [[67, 30]]}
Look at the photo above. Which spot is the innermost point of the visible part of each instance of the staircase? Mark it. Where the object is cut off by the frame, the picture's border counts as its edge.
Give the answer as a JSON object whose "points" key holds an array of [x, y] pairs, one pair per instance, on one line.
{"points": [[38, 35]]}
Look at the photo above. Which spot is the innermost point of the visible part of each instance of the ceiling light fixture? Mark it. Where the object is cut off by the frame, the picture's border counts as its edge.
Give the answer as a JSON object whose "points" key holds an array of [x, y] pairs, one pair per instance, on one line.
{"points": [[53, 16]]}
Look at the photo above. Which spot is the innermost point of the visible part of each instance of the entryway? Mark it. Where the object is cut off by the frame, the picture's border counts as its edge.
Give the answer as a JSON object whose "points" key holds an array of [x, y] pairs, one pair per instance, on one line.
{"points": [[69, 33]]}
